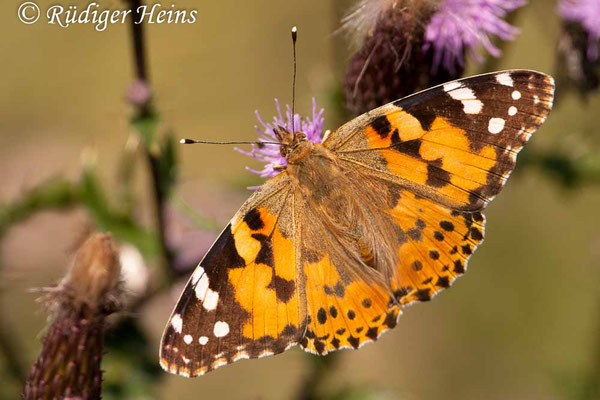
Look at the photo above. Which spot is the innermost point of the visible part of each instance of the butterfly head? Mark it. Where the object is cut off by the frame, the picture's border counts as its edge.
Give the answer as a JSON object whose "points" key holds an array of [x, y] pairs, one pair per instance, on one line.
{"points": [[294, 146]]}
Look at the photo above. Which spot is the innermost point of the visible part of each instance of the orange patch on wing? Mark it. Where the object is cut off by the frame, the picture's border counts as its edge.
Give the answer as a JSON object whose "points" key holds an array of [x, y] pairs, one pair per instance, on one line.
{"points": [[343, 314], [468, 168], [437, 247], [269, 293], [408, 126], [444, 147]]}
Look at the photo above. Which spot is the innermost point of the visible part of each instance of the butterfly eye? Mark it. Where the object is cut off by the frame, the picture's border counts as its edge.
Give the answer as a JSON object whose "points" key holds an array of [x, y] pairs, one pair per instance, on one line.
{"points": [[300, 135], [285, 151]]}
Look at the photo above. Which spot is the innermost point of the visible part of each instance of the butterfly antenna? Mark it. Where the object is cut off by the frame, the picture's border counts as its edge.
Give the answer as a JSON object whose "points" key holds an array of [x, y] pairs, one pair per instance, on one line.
{"points": [[192, 141], [294, 38]]}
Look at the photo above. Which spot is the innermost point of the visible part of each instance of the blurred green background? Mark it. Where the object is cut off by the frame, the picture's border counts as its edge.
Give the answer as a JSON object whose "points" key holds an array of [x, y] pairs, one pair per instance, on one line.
{"points": [[523, 323]]}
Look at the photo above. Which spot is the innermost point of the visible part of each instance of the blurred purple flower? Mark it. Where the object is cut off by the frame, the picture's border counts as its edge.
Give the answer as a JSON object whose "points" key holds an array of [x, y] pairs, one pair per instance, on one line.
{"points": [[463, 25], [189, 243], [138, 93], [586, 13], [270, 154]]}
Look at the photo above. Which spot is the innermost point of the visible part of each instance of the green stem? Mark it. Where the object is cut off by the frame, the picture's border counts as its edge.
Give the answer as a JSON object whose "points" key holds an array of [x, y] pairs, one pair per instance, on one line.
{"points": [[320, 369], [56, 193]]}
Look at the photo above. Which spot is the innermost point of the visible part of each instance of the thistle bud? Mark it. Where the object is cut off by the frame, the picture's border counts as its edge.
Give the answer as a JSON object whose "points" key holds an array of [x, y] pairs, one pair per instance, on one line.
{"points": [[69, 363]]}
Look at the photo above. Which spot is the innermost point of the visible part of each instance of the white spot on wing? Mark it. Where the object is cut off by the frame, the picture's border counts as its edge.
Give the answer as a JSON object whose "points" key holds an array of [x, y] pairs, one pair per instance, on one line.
{"points": [[512, 111], [505, 79], [211, 300], [219, 363], [188, 339], [496, 125], [239, 356], [451, 86], [471, 105], [516, 95], [202, 340], [185, 359], [265, 353], [177, 323], [221, 329], [198, 272], [201, 287]]}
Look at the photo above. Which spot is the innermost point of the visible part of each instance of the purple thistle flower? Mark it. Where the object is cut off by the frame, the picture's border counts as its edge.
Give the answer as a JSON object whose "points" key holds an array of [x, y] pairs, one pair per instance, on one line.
{"points": [[586, 13], [270, 154], [464, 25]]}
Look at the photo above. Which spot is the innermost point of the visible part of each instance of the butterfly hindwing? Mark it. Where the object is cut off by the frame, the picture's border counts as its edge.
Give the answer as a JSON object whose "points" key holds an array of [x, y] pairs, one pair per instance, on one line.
{"points": [[245, 299], [436, 247], [455, 143], [343, 313]]}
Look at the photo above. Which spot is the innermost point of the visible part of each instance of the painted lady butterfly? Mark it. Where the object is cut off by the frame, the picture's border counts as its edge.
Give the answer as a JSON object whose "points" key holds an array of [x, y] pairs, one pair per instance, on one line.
{"points": [[385, 212]]}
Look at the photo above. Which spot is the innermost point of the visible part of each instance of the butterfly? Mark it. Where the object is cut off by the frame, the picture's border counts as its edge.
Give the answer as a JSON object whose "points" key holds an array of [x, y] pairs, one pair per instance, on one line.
{"points": [[386, 211]]}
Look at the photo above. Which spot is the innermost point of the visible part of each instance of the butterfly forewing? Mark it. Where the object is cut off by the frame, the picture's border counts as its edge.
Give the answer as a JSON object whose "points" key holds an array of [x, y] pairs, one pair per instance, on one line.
{"points": [[245, 299], [455, 143]]}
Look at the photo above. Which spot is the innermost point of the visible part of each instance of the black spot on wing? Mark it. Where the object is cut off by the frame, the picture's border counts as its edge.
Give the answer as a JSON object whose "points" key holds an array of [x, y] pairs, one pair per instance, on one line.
{"points": [[476, 234], [333, 311], [423, 294], [403, 291], [339, 289], [447, 226], [322, 315], [311, 256], [443, 282], [319, 346], [284, 289], [436, 175], [335, 342], [414, 234], [265, 254], [382, 126], [372, 333], [417, 265], [410, 148], [390, 320], [395, 139], [289, 330], [459, 268], [253, 220], [422, 106]]}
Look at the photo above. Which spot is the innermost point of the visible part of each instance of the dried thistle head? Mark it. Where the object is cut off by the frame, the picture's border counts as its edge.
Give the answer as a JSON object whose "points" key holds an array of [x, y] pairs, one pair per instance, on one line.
{"points": [[69, 363], [94, 273]]}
